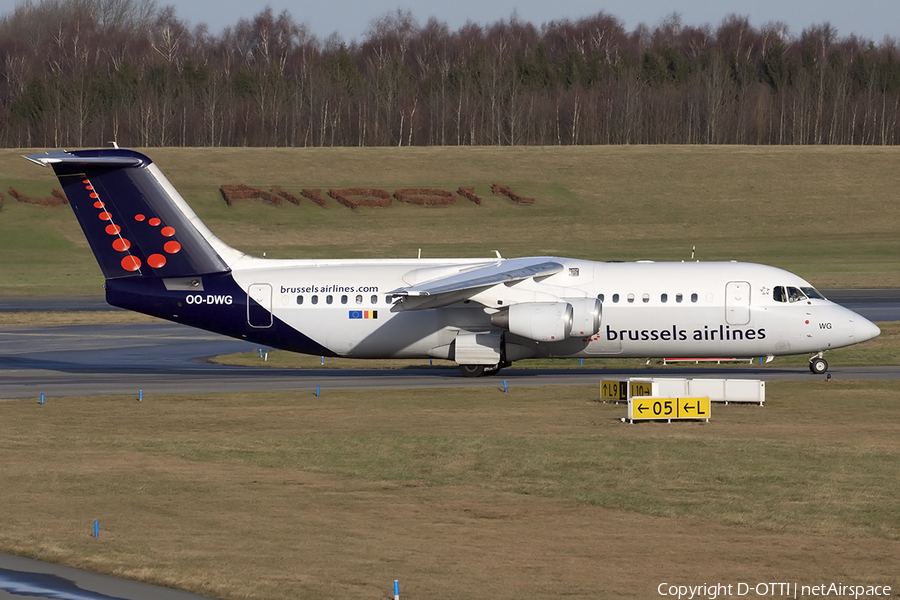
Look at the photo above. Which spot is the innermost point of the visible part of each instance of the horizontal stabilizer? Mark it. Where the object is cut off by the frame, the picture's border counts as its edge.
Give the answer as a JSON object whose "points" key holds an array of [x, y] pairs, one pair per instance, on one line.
{"points": [[134, 221]]}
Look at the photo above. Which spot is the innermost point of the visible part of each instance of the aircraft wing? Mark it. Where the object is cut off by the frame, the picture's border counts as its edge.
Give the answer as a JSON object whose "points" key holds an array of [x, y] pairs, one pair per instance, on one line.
{"points": [[455, 288]]}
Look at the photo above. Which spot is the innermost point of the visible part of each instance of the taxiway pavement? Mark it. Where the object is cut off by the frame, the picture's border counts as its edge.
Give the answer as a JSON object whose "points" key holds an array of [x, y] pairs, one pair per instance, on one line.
{"points": [[156, 358]]}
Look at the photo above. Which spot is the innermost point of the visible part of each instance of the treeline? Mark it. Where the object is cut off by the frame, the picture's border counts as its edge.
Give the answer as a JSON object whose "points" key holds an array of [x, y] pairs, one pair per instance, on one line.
{"points": [[84, 72]]}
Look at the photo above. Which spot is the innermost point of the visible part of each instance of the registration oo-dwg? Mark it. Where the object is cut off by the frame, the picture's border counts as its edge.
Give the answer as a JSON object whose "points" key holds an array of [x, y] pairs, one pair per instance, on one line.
{"points": [[207, 299], [771, 590]]}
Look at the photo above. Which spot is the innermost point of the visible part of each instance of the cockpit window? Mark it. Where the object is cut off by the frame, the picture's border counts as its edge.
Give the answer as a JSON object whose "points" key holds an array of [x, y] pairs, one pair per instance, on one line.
{"points": [[812, 293], [792, 294], [795, 295]]}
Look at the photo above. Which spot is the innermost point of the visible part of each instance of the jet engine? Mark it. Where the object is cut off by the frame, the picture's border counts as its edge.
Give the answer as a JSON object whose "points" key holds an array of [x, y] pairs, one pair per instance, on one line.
{"points": [[551, 321], [585, 316]]}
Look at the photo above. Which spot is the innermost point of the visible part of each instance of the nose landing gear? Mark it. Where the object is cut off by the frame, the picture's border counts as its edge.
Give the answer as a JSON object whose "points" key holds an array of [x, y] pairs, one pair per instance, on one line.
{"points": [[817, 364]]}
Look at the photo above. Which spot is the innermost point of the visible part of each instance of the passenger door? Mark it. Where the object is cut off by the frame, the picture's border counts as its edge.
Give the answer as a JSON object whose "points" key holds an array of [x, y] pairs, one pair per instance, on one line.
{"points": [[259, 305], [737, 303]]}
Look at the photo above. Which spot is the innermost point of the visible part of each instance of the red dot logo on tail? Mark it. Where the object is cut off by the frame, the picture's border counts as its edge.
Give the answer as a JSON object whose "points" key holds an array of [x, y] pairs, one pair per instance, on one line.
{"points": [[121, 245], [172, 247], [139, 217], [156, 260], [131, 263], [167, 231], [113, 229]]}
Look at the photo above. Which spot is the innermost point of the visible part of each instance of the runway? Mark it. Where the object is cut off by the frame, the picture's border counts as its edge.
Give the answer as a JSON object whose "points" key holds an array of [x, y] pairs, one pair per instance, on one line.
{"points": [[166, 358], [23, 577]]}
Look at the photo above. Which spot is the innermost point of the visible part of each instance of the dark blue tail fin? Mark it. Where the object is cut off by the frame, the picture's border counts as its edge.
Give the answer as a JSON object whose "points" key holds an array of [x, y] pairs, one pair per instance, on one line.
{"points": [[134, 220]]}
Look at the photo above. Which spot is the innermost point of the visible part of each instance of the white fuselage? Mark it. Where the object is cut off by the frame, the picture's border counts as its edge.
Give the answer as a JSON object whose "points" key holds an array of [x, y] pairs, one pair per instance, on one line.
{"points": [[675, 309], [160, 259]]}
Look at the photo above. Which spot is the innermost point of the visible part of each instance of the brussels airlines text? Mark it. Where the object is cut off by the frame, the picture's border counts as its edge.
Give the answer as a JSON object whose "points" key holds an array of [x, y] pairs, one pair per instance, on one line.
{"points": [[707, 334]]}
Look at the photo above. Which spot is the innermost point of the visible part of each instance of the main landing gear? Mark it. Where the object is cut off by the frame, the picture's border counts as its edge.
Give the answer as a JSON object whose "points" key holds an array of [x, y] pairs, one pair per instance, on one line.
{"points": [[471, 370], [481, 370], [817, 364]]}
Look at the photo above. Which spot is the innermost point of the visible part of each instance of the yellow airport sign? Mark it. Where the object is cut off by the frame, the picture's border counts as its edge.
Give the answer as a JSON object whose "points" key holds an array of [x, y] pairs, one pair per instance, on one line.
{"points": [[622, 390], [693, 408], [667, 408]]}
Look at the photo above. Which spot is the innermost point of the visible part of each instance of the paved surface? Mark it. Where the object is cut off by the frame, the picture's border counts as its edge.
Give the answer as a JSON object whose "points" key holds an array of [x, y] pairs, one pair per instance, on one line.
{"points": [[49, 303], [23, 577], [124, 359], [875, 305], [84, 360]]}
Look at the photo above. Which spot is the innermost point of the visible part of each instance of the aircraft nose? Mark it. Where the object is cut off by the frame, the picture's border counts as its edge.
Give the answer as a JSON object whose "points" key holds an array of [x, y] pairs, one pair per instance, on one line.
{"points": [[864, 329]]}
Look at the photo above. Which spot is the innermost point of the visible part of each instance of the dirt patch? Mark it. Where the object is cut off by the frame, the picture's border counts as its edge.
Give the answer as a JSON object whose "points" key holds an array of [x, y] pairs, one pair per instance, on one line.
{"points": [[505, 191], [313, 194], [236, 192], [469, 194], [361, 197], [56, 198], [425, 196]]}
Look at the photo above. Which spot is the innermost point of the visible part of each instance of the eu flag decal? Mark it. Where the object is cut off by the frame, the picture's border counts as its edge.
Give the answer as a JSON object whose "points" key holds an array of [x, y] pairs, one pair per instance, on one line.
{"points": [[363, 314]]}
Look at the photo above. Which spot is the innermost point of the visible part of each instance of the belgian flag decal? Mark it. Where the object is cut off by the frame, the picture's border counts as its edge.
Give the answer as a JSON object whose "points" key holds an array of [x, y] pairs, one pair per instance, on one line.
{"points": [[363, 314]]}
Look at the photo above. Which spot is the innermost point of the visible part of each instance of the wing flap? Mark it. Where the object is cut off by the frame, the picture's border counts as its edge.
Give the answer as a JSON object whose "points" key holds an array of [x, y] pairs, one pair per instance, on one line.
{"points": [[449, 290]]}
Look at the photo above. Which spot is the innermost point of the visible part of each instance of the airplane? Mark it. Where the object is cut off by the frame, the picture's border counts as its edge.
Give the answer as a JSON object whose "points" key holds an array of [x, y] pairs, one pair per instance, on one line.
{"points": [[159, 259]]}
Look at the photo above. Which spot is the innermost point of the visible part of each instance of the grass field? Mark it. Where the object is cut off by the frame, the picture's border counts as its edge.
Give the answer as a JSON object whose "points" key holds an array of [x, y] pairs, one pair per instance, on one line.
{"points": [[540, 492], [826, 213]]}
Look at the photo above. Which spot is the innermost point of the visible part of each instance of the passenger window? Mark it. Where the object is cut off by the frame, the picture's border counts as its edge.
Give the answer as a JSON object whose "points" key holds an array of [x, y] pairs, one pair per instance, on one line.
{"points": [[693, 297], [679, 298], [600, 297], [344, 299], [329, 299], [664, 298], [387, 299], [299, 299], [615, 297], [359, 298], [778, 294], [315, 300], [645, 298], [630, 297]]}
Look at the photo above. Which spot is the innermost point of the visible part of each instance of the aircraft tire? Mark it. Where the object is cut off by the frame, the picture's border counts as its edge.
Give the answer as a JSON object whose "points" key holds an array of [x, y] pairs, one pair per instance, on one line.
{"points": [[818, 365], [471, 370]]}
